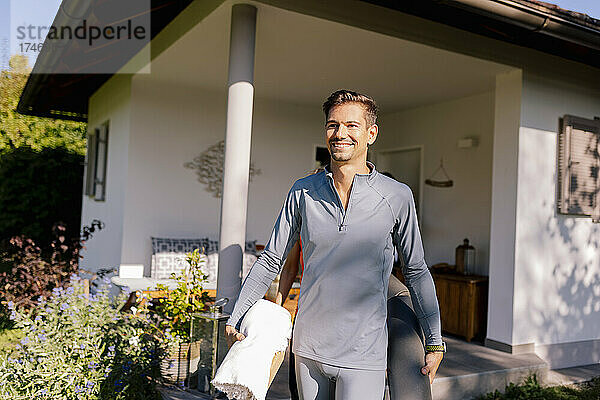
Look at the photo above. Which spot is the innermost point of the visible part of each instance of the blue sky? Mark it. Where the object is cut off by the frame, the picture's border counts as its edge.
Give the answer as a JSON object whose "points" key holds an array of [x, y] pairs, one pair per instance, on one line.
{"points": [[589, 7], [42, 12], [25, 12]]}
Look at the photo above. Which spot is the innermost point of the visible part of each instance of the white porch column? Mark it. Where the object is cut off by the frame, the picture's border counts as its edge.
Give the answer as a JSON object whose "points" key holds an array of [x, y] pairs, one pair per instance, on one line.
{"points": [[236, 169], [503, 229]]}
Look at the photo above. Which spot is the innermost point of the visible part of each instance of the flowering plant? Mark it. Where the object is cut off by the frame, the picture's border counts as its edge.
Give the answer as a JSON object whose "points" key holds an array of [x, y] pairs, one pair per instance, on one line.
{"points": [[178, 305], [78, 346]]}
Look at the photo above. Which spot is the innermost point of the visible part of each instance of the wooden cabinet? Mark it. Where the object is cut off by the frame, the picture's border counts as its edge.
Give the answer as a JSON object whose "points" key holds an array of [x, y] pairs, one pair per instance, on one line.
{"points": [[463, 303]]}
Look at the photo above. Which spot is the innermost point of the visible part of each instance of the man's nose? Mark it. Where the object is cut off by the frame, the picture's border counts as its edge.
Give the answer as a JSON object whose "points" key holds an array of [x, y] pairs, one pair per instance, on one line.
{"points": [[341, 131]]}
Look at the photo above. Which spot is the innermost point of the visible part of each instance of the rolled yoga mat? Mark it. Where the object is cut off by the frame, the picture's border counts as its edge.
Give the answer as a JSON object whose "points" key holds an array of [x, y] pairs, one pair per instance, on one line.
{"points": [[406, 352]]}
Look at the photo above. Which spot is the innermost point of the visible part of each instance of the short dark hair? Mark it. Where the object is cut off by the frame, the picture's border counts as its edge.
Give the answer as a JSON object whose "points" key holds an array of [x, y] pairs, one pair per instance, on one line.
{"points": [[344, 96]]}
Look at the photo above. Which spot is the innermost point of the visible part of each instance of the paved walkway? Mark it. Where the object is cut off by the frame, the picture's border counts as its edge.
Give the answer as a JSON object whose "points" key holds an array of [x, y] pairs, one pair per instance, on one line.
{"points": [[469, 369], [567, 376]]}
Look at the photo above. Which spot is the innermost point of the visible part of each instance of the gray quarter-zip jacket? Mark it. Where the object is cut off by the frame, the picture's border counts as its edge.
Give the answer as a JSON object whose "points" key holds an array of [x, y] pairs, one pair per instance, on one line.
{"points": [[348, 257]]}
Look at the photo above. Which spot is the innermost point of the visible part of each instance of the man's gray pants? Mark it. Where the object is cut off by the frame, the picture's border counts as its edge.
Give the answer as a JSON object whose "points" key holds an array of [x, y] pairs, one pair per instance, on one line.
{"points": [[314, 379]]}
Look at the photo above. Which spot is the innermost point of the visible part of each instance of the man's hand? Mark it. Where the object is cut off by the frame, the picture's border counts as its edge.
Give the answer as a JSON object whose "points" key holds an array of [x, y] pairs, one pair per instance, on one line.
{"points": [[432, 362], [232, 335]]}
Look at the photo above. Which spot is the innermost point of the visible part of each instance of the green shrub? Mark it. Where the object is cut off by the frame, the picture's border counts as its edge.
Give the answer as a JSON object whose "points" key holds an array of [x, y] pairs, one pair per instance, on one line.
{"points": [[5, 322], [9, 338], [37, 189], [31, 274], [78, 346], [530, 389]]}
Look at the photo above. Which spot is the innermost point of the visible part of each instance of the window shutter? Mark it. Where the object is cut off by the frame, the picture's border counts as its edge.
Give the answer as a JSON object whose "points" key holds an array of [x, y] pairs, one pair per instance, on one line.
{"points": [[91, 163], [579, 165], [101, 159]]}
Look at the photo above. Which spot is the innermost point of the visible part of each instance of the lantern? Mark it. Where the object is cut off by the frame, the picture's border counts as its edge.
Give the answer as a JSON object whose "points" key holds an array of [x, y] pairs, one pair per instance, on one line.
{"points": [[465, 258], [208, 329]]}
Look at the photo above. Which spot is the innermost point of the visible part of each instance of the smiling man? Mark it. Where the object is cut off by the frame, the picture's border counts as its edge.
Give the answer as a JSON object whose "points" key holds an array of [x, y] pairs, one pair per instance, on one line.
{"points": [[350, 220]]}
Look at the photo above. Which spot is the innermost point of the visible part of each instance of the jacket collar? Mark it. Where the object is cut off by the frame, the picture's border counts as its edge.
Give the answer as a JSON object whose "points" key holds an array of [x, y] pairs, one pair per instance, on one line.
{"points": [[367, 178]]}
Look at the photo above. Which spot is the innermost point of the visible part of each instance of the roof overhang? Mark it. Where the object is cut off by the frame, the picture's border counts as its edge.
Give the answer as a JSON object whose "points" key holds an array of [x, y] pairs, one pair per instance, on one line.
{"points": [[527, 23], [65, 95]]}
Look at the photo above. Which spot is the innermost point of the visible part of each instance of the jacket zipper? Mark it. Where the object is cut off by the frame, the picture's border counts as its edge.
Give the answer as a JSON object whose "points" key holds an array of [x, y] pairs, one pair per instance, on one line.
{"points": [[344, 213]]}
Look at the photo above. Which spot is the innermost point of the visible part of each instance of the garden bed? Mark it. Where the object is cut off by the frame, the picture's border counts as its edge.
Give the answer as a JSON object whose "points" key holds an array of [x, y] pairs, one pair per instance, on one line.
{"points": [[76, 345]]}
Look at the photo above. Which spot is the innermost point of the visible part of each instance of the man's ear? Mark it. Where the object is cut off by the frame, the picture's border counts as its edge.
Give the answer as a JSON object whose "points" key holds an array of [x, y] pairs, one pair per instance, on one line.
{"points": [[372, 134]]}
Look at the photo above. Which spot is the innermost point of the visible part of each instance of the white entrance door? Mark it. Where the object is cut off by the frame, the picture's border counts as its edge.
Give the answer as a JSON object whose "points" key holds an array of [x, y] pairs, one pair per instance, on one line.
{"points": [[405, 166]]}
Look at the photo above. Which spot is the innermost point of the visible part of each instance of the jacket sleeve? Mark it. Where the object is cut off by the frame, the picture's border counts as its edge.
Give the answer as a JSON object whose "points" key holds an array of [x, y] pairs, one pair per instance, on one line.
{"points": [[407, 240], [285, 234]]}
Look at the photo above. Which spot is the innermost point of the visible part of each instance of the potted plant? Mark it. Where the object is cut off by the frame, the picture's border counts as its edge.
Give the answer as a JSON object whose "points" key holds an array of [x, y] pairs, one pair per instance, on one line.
{"points": [[175, 308]]}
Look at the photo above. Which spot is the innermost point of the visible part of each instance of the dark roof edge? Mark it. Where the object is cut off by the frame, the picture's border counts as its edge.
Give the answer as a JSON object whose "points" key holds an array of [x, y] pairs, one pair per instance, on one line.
{"points": [[69, 92], [31, 89], [68, 12], [534, 18]]}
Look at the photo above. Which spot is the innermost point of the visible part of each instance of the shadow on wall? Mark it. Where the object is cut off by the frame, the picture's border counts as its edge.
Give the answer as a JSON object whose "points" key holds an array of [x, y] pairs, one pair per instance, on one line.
{"points": [[578, 279], [557, 297], [228, 285], [576, 243], [563, 297]]}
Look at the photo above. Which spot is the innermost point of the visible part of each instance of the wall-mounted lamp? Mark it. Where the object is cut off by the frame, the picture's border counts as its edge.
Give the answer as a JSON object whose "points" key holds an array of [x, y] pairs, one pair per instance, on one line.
{"points": [[467, 143]]}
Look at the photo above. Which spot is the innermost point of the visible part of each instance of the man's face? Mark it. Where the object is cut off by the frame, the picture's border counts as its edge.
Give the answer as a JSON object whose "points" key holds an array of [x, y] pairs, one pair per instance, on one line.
{"points": [[347, 132]]}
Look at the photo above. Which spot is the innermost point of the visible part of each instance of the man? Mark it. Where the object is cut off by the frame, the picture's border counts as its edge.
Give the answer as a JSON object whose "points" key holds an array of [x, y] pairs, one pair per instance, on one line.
{"points": [[350, 219]]}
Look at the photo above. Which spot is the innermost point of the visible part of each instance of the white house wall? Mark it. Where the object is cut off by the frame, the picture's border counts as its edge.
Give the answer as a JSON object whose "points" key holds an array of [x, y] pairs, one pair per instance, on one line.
{"points": [[557, 265], [173, 124], [449, 215], [110, 103]]}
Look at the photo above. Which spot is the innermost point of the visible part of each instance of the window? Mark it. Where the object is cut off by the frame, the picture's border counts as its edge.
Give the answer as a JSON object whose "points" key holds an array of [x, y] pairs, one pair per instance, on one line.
{"points": [[578, 167], [97, 151]]}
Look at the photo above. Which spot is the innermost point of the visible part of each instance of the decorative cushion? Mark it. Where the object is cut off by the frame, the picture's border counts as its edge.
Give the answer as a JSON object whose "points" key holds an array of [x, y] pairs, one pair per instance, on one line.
{"points": [[251, 247], [168, 256]]}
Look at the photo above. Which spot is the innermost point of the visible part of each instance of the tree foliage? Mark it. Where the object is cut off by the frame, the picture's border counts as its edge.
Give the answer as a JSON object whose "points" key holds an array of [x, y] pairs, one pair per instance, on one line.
{"points": [[41, 166], [37, 190], [17, 130]]}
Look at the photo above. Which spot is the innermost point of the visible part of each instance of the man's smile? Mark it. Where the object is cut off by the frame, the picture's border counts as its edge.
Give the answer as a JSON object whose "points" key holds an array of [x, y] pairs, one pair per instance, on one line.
{"points": [[341, 145]]}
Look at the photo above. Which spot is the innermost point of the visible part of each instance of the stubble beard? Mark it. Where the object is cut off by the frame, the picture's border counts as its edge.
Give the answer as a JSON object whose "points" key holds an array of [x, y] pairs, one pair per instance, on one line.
{"points": [[340, 156]]}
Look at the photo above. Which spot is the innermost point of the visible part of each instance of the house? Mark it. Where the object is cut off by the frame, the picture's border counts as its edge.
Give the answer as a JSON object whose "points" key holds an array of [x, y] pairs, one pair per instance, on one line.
{"points": [[505, 93]]}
